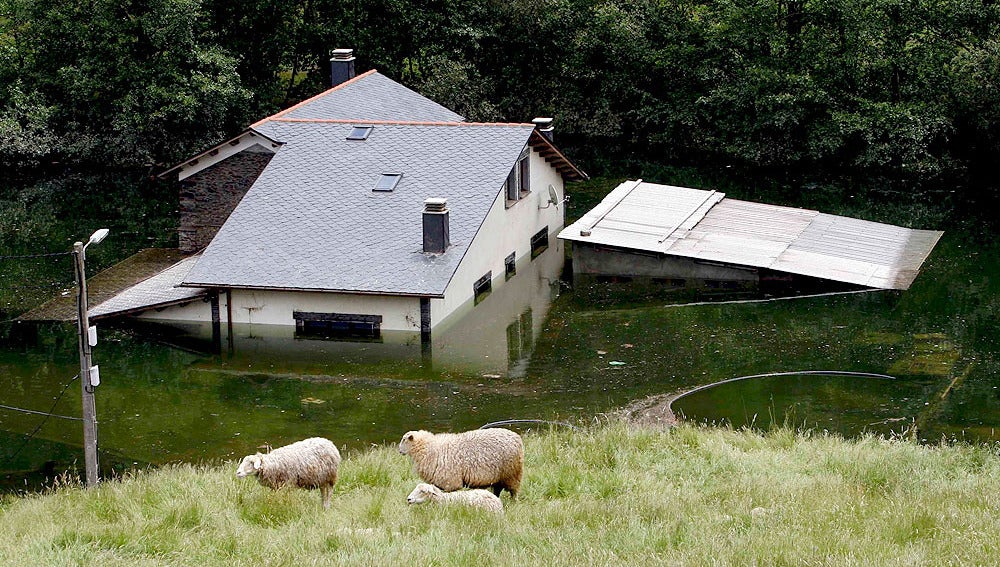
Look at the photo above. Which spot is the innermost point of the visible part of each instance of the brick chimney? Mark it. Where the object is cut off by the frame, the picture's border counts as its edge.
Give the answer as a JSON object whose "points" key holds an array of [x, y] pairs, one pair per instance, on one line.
{"points": [[436, 238], [341, 66]]}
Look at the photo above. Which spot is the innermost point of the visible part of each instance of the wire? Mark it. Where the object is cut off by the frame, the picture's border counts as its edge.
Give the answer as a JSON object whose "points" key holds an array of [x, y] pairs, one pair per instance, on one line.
{"points": [[22, 410], [513, 421], [24, 256], [47, 416]]}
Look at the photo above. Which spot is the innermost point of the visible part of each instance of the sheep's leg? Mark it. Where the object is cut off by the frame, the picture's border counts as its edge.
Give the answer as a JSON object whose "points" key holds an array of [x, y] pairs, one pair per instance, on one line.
{"points": [[325, 493], [497, 489]]}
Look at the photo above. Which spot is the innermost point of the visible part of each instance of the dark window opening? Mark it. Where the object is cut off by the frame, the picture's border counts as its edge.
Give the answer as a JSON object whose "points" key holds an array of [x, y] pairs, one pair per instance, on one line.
{"points": [[511, 186], [518, 183], [510, 266], [337, 325], [482, 287], [360, 132], [387, 182], [525, 175], [539, 242]]}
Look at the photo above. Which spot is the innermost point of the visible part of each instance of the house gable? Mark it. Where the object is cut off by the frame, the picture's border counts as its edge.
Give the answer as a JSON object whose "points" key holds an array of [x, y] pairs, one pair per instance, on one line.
{"points": [[208, 197]]}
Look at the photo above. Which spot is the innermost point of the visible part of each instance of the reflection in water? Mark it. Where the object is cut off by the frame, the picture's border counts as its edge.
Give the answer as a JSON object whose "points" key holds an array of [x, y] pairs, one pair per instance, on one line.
{"points": [[519, 354], [494, 336]]}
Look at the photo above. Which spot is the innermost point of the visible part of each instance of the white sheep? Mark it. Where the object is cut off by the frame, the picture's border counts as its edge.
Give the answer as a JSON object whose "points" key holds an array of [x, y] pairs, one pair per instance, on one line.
{"points": [[475, 459], [477, 498], [310, 463]]}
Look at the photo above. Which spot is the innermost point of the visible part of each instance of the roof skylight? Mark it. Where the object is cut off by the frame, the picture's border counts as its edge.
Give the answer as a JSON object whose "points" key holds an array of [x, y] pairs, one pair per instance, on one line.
{"points": [[360, 132], [387, 182]]}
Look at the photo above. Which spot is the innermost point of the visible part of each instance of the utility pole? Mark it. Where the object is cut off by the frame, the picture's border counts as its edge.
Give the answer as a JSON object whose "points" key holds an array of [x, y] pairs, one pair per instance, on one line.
{"points": [[87, 339]]}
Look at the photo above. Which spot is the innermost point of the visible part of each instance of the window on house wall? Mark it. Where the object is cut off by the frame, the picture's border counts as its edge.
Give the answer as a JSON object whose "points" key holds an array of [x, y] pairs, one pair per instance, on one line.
{"points": [[539, 242], [351, 326], [510, 266], [524, 174], [360, 132], [387, 182], [518, 183], [482, 287], [511, 186]]}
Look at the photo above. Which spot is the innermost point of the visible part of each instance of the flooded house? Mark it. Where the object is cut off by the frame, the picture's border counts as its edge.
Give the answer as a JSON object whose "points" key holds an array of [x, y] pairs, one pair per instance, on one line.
{"points": [[364, 210], [652, 236]]}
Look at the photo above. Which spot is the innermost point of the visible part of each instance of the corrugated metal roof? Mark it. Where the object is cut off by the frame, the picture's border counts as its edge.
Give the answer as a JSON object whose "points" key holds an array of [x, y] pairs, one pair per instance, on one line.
{"points": [[703, 224], [157, 291]]}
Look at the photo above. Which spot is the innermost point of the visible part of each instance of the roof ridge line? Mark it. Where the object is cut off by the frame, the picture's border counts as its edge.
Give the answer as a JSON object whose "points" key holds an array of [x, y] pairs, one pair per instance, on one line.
{"points": [[361, 121], [312, 98]]}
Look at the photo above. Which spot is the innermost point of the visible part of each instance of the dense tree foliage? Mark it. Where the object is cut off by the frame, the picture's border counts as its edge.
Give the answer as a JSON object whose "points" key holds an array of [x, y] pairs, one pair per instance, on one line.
{"points": [[899, 88]]}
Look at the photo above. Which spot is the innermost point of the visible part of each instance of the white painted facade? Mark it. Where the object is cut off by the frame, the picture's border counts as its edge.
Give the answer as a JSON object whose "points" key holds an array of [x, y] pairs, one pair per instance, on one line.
{"points": [[504, 231]]}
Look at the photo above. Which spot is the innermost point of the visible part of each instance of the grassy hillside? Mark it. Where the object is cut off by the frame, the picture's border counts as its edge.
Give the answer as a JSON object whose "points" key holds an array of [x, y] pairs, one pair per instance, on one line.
{"points": [[609, 495]]}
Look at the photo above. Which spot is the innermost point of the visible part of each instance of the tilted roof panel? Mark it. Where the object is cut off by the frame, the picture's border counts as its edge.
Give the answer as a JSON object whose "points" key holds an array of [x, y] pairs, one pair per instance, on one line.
{"points": [[798, 241]]}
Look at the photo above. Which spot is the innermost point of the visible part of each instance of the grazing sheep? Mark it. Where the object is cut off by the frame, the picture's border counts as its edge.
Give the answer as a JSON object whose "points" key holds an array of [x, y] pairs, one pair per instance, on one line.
{"points": [[477, 498], [310, 463], [475, 459]]}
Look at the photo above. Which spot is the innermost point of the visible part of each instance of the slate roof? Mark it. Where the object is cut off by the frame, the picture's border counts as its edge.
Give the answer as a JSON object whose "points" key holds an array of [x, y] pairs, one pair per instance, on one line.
{"points": [[705, 225], [159, 290], [312, 222], [369, 96]]}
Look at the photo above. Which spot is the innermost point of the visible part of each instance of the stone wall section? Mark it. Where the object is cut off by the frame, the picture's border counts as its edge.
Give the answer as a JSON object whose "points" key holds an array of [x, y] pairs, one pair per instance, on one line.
{"points": [[208, 197]]}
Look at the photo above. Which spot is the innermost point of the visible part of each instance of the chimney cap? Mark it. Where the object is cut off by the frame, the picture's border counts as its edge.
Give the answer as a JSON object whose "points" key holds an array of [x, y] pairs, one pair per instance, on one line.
{"points": [[542, 122], [435, 204], [342, 55]]}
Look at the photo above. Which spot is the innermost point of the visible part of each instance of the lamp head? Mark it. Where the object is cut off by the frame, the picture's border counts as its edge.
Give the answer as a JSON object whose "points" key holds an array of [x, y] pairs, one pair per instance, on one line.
{"points": [[98, 236]]}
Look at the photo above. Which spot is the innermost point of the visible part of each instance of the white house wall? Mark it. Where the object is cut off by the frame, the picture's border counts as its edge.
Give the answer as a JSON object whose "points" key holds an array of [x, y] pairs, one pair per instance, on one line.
{"points": [[261, 307], [505, 231]]}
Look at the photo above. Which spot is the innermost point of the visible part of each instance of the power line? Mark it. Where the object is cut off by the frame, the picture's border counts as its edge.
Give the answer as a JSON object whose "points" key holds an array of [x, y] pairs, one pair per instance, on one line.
{"points": [[22, 410], [47, 416]]}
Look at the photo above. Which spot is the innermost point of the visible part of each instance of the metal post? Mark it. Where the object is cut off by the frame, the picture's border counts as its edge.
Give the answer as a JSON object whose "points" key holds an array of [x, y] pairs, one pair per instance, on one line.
{"points": [[89, 408]]}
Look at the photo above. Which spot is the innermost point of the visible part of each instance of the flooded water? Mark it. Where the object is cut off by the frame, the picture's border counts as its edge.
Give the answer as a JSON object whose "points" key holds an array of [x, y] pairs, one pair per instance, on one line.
{"points": [[534, 349]]}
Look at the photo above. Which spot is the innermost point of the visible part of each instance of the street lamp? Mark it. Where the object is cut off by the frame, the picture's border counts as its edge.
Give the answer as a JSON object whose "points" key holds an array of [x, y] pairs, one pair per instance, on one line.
{"points": [[89, 375]]}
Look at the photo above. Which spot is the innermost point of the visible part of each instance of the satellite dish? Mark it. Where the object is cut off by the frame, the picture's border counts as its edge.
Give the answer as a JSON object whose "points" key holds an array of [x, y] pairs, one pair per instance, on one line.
{"points": [[553, 198]]}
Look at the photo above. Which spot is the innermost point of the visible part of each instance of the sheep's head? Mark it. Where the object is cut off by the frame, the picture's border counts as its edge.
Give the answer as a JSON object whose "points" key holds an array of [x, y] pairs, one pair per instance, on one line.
{"points": [[250, 465], [422, 493], [411, 438]]}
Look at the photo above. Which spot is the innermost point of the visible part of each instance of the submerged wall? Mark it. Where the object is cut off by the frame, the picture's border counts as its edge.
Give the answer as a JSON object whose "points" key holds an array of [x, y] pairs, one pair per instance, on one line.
{"points": [[599, 260]]}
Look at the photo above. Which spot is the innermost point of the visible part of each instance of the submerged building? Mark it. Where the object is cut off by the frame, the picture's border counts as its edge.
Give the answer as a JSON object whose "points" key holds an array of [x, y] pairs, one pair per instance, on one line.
{"points": [[679, 237]]}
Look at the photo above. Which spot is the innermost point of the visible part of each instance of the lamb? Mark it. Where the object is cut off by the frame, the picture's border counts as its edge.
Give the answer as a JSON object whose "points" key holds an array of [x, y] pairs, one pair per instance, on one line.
{"points": [[477, 498], [310, 463], [475, 459]]}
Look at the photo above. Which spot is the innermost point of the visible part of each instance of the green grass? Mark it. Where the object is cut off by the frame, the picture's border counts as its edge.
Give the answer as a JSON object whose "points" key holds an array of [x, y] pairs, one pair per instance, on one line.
{"points": [[611, 495]]}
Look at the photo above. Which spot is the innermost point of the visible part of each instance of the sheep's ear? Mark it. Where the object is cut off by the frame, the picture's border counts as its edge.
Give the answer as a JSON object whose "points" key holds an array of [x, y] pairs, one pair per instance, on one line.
{"points": [[257, 462]]}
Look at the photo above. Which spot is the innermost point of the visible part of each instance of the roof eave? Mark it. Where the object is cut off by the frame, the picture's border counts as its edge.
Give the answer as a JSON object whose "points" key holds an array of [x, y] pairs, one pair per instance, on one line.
{"points": [[310, 289], [550, 152], [194, 159]]}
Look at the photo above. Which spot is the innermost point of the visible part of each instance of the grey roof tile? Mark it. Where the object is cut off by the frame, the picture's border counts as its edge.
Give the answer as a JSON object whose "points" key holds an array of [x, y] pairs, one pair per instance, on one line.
{"points": [[312, 221], [372, 96], [160, 289]]}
